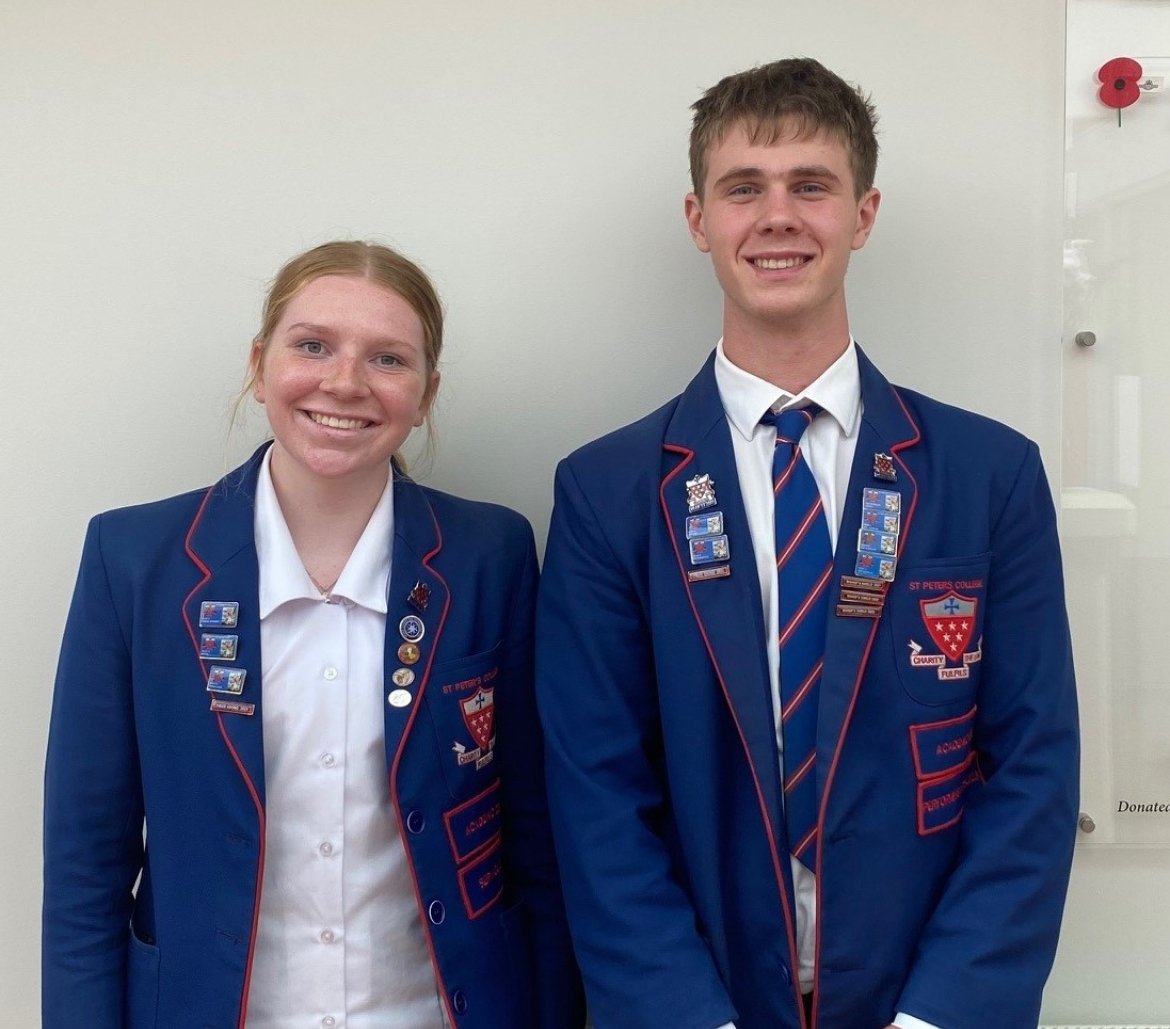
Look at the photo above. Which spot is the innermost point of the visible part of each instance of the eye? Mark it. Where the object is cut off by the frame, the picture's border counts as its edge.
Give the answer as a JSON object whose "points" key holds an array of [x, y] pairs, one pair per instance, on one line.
{"points": [[312, 346], [387, 360], [742, 190], [810, 187]]}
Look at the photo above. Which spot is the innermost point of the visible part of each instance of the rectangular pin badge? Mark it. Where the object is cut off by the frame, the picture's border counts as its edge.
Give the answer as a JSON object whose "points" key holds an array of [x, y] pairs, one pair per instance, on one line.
{"points": [[710, 524], [881, 500], [874, 566], [232, 707], [859, 611], [853, 582], [709, 549], [872, 542], [226, 680], [710, 572], [214, 646], [216, 614]]}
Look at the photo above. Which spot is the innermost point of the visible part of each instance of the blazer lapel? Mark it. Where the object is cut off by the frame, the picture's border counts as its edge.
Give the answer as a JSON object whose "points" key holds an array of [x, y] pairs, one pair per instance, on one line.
{"points": [[728, 610], [418, 597], [221, 546], [886, 428]]}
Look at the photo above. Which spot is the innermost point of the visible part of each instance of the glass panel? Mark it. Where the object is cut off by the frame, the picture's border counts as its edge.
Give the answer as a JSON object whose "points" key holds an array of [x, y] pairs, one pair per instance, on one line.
{"points": [[1115, 499]]}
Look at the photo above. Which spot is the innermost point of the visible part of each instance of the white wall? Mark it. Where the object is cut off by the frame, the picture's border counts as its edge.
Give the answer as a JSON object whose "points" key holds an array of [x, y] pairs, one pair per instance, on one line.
{"points": [[161, 159]]}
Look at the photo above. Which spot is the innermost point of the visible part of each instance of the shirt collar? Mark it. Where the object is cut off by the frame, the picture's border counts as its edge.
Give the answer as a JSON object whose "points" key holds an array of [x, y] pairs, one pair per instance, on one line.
{"points": [[747, 398], [283, 577]]}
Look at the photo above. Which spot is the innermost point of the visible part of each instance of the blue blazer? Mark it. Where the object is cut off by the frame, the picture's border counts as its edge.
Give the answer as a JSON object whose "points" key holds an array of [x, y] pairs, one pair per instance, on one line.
{"points": [[134, 737], [947, 784]]}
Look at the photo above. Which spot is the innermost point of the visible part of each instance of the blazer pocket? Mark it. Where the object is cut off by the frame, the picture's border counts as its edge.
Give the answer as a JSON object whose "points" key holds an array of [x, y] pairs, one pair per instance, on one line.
{"points": [[142, 971], [935, 613], [460, 699]]}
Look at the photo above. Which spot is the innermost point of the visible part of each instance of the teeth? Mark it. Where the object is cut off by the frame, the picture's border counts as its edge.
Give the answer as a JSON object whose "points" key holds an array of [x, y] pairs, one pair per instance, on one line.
{"points": [[773, 265], [337, 423]]}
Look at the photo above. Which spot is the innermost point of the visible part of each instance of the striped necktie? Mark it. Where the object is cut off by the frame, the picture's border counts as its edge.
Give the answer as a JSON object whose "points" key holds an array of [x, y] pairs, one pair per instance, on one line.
{"points": [[804, 565]]}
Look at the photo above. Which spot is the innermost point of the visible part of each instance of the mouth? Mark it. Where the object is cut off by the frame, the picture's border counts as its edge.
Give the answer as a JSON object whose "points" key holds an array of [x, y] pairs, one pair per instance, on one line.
{"points": [[330, 421], [776, 264]]}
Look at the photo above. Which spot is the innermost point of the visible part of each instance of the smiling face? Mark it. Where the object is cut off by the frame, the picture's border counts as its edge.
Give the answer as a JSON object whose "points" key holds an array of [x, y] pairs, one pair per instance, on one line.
{"points": [[780, 221], [344, 378]]}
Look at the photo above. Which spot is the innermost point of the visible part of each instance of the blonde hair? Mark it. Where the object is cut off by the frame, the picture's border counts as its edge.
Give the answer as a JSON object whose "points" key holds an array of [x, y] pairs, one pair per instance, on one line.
{"points": [[374, 262]]}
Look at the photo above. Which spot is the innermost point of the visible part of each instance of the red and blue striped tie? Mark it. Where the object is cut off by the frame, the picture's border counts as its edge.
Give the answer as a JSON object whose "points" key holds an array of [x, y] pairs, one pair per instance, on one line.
{"points": [[804, 565]]}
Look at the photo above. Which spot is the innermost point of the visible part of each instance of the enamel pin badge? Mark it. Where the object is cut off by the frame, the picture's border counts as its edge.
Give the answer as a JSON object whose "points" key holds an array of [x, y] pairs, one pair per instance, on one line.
{"points": [[883, 468], [216, 614], [411, 628], [226, 680], [700, 493], [419, 596], [214, 646]]}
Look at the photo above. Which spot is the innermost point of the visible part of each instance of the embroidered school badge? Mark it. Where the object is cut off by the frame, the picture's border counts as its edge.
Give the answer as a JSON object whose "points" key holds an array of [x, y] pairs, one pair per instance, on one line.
{"points": [[479, 715], [949, 620]]}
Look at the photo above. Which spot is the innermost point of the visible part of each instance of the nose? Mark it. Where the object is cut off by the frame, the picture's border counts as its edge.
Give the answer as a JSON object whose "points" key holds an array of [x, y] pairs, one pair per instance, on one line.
{"points": [[779, 213], [346, 377]]}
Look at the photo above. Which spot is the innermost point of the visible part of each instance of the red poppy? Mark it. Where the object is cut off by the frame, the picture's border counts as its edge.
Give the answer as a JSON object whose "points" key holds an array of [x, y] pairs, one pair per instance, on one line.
{"points": [[1119, 82]]}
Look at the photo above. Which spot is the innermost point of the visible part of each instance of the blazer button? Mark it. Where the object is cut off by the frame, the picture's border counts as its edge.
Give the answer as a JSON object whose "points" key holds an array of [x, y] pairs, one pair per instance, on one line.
{"points": [[459, 1002], [436, 912], [415, 822]]}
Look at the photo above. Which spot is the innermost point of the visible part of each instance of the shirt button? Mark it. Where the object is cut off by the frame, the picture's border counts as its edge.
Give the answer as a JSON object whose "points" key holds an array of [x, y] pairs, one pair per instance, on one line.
{"points": [[399, 698], [415, 822], [328, 760], [436, 912], [330, 673], [328, 1022], [327, 936], [326, 849]]}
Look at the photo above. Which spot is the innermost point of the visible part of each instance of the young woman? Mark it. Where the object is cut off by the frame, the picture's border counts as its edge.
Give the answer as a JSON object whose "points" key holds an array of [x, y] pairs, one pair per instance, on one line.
{"points": [[312, 684]]}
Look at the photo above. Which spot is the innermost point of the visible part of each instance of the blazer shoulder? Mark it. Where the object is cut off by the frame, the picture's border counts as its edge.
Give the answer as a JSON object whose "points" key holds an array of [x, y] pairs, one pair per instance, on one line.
{"points": [[940, 420], [462, 518], [633, 448], [138, 524]]}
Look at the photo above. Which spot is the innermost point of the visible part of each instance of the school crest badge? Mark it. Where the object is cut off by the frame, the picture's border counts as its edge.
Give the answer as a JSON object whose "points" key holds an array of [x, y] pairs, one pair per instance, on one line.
{"points": [[479, 715], [950, 622]]}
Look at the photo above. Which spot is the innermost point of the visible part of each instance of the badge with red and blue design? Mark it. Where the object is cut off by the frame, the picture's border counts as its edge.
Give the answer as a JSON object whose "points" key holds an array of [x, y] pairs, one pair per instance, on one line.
{"points": [[950, 622], [419, 596], [479, 715], [700, 493], [883, 468]]}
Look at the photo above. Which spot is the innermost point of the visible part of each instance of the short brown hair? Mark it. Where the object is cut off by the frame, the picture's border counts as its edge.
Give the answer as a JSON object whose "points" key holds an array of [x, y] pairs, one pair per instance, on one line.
{"points": [[795, 94]]}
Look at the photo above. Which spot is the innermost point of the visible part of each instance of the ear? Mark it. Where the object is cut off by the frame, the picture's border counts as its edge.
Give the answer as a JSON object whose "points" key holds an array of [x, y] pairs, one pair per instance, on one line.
{"points": [[867, 209], [693, 211], [428, 399], [256, 370]]}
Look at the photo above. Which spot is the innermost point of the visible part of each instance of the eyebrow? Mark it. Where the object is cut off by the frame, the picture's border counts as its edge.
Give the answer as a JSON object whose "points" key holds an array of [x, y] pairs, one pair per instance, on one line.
{"points": [[325, 330], [800, 171]]}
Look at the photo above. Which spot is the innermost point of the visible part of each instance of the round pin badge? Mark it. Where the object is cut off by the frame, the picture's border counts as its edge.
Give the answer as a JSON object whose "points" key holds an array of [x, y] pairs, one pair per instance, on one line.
{"points": [[402, 677], [408, 653], [411, 628], [399, 698]]}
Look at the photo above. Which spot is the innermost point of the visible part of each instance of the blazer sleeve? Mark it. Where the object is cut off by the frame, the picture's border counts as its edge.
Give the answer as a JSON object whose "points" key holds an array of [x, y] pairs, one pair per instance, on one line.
{"points": [[989, 946], [93, 811], [644, 962], [528, 847]]}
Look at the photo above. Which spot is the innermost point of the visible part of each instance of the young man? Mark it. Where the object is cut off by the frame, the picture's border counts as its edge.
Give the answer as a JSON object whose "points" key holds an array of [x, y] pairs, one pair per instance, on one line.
{"points": [[804, 662]]}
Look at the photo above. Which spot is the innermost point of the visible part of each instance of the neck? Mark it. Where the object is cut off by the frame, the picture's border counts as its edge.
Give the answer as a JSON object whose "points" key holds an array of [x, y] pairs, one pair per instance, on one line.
{"points": [[790, 357], [325, 517]]}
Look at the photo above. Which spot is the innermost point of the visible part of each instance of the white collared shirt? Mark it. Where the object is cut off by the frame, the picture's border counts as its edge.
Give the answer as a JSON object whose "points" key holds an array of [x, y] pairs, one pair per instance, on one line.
{"points": [[828, 446], [339, 943]]}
